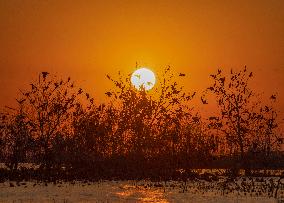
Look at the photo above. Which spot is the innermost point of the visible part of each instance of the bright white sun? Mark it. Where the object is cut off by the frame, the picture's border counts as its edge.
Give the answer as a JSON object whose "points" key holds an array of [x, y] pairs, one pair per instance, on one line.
{"points": [[143, 78]]}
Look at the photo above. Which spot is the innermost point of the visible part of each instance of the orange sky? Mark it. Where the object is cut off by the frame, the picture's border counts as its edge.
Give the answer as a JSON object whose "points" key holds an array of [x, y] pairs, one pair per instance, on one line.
{"points": [[88, 39]]}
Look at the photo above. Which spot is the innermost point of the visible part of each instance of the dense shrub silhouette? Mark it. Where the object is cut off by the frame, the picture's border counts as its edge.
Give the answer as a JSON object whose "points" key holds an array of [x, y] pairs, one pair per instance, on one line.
{"points": [[138, 133], [16, 139]]}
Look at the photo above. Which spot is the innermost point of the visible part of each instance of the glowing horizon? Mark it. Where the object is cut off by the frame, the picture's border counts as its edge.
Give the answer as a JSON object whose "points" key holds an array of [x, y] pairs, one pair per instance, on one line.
{"points": [[87, 40]]}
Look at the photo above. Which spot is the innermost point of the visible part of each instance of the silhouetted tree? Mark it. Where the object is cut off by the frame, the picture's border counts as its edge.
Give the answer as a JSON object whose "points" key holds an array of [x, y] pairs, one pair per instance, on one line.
{"points": [[242, 117], [50, 104]]}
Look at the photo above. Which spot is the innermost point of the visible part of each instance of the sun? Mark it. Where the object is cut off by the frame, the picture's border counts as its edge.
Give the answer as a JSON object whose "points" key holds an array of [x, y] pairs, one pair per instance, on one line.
{"points": [[143, 78]]}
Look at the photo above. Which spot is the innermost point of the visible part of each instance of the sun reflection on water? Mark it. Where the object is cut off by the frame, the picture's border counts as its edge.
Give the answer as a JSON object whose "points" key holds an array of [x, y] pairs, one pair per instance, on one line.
{"points": [[141, 194]]}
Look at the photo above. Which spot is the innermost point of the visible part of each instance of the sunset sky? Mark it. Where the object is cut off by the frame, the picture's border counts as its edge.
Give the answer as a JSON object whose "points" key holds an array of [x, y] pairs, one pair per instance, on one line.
{"points": [[89, 39]]}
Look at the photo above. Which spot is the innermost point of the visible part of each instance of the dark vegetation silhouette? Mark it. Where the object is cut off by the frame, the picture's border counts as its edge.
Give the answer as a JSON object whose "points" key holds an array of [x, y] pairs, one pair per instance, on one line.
{"points": [[250, 127], [142, 134]]}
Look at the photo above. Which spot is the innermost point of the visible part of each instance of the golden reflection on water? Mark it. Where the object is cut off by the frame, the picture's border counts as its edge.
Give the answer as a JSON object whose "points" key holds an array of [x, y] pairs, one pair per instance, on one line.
{"points": [[141, 194]]}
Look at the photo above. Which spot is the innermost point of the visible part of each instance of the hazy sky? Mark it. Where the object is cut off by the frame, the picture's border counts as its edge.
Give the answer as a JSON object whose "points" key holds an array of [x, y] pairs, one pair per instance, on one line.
{"points": [[88, 39]]}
